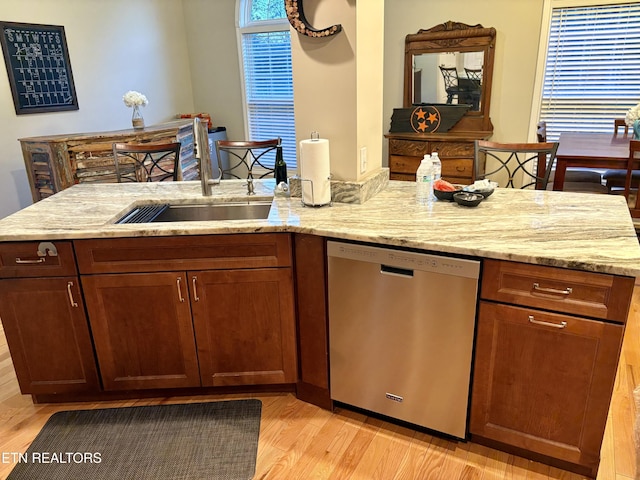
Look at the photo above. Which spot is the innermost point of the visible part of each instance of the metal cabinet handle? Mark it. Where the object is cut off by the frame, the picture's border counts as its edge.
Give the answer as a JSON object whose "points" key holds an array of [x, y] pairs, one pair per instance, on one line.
{"points": [[71, 300], [566, 291], [39, 260], [179, 290], [195, 289], [547, 324]]}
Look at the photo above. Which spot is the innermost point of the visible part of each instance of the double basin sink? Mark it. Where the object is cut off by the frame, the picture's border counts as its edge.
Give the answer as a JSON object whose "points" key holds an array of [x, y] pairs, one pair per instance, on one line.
{"points": [[154, 213]]}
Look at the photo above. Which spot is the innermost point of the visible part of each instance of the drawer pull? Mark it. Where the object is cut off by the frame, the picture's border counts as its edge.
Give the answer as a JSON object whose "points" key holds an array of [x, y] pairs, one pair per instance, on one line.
{"points": [[179, 290], [39, 260], [73, 302], [547, 324], [566, 291], [195, 289]]}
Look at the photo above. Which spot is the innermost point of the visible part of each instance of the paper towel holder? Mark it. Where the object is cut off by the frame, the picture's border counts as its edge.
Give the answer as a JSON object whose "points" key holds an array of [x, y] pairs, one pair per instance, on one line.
{"points": [[315, 137], [313, 200]]}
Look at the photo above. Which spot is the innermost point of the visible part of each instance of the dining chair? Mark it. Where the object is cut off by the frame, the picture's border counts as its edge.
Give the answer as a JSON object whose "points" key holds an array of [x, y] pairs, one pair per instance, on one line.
{"points": [[615, 178], [508, 163], [576, 179], [620, 123], [451, 82], [630, 193], [146, 162], [244, 156], [474, 74]]}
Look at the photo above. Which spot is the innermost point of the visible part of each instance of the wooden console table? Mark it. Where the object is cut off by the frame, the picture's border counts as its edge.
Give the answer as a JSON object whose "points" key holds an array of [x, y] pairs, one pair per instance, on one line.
{"points": [[456, 151], [56, 162]]}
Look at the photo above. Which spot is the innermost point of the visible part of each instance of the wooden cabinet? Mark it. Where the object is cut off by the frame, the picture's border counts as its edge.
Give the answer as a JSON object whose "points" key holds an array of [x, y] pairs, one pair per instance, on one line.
{"points": [[245, 327], [142, 330], [544, 371], [312, 322], [44, 320], [456, 152], [56, 162], [149, 307]]}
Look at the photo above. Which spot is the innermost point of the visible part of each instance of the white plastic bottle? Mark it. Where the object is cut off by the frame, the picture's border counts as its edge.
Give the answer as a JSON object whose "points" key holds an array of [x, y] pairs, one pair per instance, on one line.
{"points": [[424, 181], [437, 166]]}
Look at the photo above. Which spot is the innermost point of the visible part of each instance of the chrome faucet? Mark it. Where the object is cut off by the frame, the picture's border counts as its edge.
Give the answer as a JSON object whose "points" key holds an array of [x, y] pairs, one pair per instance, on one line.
{"points": [[203, 157]]}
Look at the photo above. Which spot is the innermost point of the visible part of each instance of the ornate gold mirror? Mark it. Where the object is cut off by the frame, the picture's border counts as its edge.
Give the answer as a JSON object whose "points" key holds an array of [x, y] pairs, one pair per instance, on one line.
{"points": [[452, 63]]}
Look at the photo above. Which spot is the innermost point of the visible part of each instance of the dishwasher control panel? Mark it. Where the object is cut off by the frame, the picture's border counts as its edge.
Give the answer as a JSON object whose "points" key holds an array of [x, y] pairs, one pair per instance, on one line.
{"points": [[405, 260]]}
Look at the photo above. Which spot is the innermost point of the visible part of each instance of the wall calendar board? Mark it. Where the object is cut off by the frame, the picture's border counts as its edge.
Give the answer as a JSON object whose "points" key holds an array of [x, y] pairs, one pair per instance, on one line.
{"points": [[38, 66]]}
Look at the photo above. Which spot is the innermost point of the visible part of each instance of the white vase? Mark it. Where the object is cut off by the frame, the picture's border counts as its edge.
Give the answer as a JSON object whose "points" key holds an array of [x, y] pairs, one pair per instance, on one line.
{"points": [[136, 118]]}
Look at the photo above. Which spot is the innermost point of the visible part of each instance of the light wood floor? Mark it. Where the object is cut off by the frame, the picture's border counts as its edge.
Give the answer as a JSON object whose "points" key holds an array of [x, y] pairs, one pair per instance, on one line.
{"points": [[299, 441]]}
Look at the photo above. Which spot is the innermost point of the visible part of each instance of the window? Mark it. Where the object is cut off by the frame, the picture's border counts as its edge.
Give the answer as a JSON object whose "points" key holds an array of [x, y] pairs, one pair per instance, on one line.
{"points": [[592, 67], [268, 78]]}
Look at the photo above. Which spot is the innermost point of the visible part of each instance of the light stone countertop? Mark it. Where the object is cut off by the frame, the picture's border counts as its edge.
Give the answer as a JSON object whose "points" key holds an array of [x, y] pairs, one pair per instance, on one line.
{"points": [[574, 230]]}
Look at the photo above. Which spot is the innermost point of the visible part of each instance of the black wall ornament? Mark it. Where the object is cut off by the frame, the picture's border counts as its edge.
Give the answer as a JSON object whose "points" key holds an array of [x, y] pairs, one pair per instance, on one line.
{"points": [[295, 14]]}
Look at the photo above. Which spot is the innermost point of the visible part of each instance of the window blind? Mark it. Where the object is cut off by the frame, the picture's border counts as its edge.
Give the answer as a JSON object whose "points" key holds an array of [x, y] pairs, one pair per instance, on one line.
{"points": [[592, 71], [268, 79]]}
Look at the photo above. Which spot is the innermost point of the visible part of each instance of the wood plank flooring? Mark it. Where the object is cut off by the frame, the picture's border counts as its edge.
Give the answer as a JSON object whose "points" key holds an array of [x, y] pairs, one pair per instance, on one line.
{"points": [[300, 441]]}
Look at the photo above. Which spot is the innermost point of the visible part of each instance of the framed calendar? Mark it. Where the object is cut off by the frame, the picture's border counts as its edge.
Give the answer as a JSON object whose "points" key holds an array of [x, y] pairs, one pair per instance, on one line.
{"points": [[38, 67]]}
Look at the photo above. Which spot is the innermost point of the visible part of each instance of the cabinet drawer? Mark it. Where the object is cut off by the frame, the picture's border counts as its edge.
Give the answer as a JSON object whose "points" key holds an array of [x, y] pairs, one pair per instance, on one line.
{"points": [[415, 148], [453, 149], [404, 164], [123, 255], [21, 259], [457, 168], [404, 177], [582, 293]]}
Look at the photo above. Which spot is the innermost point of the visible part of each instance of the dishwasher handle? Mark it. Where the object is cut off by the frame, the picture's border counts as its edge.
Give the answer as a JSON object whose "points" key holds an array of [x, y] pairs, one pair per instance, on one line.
{"points": [[396, 271]]}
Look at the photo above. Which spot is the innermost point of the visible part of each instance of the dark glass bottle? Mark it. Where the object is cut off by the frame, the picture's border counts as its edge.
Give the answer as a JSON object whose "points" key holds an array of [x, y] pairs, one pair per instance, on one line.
{"points": [[280, 167]]}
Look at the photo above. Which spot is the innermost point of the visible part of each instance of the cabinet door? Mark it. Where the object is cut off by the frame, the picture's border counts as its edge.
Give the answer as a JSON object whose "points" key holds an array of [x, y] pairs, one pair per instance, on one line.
{"points": [[142, 330], [244, 323], [543, 381], [48, 335]]}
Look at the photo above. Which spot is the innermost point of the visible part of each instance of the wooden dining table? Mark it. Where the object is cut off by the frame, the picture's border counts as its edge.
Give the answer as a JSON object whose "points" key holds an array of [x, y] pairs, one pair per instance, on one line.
{"points": [[589, 150]]}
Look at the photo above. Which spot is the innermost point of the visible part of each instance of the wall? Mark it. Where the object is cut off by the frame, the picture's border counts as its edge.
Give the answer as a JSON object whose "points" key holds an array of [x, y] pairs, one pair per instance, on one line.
{"points": [[518, 30], [214, 60], [114, 46]]}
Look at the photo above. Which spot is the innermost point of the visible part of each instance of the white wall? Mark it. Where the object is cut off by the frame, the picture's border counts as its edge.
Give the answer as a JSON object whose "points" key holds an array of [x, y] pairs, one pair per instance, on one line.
{"points": [[114, 46], [213, 54]]}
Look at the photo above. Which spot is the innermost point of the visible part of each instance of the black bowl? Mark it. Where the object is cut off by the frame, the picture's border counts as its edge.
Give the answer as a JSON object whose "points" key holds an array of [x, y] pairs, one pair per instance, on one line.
{"points": [[446, 194], [484, 192], [468, 199]]}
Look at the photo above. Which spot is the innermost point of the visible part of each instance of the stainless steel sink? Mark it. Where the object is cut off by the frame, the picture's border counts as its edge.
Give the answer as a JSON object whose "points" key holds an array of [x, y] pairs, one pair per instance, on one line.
{"points": [[197, 212]]}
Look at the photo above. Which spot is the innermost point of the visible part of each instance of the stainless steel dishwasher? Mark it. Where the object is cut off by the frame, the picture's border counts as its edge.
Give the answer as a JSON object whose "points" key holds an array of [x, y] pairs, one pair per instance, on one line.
{"points": [[401, 328]]}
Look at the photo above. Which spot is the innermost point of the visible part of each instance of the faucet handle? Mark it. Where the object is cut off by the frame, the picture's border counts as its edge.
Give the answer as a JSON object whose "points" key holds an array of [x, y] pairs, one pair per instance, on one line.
{"points": [[250, 189]]}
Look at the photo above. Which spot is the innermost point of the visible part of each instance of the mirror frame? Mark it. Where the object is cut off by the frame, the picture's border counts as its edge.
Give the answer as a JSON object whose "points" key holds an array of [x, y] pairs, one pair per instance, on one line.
{"points": [[455, 37]]}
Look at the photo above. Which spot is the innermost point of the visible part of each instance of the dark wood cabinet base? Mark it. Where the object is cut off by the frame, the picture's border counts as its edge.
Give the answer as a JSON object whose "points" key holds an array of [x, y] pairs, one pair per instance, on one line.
{"points": [[589, 472], [164, 392]]}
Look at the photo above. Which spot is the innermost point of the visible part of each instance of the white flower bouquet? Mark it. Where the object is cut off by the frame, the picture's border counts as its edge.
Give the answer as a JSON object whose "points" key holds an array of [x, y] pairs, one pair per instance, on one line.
{"points": [[133, 98], [632, 115]]}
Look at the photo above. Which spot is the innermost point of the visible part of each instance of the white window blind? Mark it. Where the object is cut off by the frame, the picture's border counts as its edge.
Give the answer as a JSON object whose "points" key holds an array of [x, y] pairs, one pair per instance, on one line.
{"points": [[592, 70], [268, 75]]}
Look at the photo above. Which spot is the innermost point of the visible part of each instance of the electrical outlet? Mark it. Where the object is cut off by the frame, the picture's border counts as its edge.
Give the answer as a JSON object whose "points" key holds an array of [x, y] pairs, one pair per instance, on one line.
{"points": [[363, 159]]}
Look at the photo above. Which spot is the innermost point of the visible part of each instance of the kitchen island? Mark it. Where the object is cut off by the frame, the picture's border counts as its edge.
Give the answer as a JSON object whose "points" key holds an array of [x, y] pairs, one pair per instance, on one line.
{"points": [[563, 229], [580, 250]]}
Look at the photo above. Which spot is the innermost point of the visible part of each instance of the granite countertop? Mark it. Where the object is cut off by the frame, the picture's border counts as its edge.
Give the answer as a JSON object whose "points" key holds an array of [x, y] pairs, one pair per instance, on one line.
{"points": [[574, 230]]}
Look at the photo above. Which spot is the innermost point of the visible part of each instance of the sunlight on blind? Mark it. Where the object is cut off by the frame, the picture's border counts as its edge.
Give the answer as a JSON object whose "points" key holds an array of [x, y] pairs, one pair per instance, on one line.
{"points": [[592, 72], [269, 89]]}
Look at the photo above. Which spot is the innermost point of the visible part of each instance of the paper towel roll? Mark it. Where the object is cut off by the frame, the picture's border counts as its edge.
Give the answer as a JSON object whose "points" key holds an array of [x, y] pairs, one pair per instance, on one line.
{"points": [[315, 170]]}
